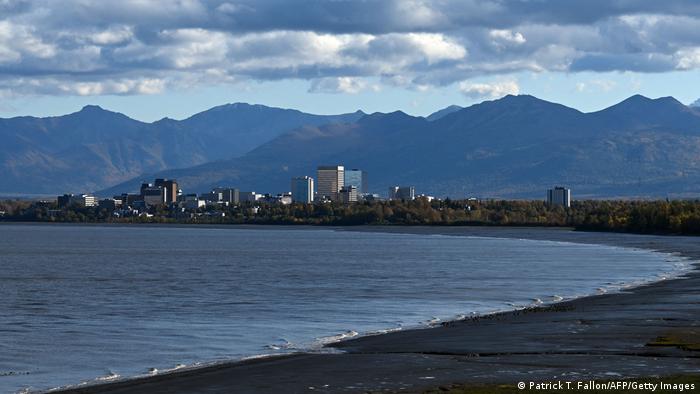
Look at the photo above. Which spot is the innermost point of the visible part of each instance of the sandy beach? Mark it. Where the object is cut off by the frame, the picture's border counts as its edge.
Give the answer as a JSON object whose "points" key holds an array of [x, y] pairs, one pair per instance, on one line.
{"points": [[601, 337]]}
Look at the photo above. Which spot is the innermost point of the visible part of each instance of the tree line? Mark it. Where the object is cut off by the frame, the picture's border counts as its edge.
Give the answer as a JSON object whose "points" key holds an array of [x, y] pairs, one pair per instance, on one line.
{"points": [[663, 217]]}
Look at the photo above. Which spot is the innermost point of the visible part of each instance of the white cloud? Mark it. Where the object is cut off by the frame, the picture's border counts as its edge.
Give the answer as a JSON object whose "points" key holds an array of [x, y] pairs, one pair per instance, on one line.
{"points": [[501, 37], [18, 42], [54, 86], [688, 58], [436, 47], [596, 85], [418, 13], [119, 87], [193, 48], [341, 85], [117, 35], [489, 90]]}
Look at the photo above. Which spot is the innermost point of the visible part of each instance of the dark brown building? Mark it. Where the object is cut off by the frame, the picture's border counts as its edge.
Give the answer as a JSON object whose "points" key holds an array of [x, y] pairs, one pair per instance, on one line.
{"points": [[169, 187]]}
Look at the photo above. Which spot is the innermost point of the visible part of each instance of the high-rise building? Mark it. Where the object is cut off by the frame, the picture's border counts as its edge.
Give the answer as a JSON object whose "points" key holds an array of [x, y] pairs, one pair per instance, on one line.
{"points": [[559, 196], [348, 194], [357, 178], [402, 193], [330, 179], [303, 189], [152, 195], [170, 189], [228, 195]]}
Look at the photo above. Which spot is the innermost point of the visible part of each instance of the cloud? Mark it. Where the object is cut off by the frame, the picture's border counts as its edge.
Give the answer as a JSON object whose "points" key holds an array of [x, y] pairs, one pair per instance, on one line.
{"points": [[414, 44], [688, 59], [502, 37], [112, 36], [492, 90], [598, 85], [54, 86], [340, 85]]}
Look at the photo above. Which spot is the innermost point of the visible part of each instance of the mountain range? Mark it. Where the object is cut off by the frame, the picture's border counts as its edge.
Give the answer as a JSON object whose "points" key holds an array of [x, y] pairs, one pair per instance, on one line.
{"points": [[94, 148], [514, 147]]}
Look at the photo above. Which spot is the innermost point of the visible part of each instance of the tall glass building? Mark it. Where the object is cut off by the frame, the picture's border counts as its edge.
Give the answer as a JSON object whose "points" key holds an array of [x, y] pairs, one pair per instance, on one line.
{"points": [[559, 196], [303, 189], [357, 178]]}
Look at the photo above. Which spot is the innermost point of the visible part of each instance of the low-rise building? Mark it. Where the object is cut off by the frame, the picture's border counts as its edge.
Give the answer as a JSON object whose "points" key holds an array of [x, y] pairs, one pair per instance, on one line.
{"points": [[249, 196], [109, 204], [213, 196], [371, 197], [407, 193], [192, 201], [128, 199], [81, 200], [348, 194], [285, 198]]}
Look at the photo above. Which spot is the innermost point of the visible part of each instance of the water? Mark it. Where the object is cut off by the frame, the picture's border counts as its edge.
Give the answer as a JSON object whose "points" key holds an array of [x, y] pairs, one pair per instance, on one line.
{"points": [[79, 303]]}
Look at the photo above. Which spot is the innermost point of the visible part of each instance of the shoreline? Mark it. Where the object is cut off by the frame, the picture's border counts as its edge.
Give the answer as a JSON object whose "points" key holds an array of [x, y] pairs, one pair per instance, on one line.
{"points": [[411, 347], [388, 227]]}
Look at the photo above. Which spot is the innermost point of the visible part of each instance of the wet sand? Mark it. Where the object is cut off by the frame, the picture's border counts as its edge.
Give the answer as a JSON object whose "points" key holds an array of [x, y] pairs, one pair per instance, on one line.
{"points": [[597, 337]]}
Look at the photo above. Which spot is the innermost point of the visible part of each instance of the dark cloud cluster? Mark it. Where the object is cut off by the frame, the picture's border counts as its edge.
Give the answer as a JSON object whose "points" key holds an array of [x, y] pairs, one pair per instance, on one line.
{"points": [[88, 47]]}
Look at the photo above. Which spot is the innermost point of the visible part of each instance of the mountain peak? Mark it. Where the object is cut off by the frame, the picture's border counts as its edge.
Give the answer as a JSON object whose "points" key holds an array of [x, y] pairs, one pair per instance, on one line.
{"points": [[522, 99], [443, 112], [92, 108], [97, 112], [695, 104], [395, 115], [637, 98], [643, 103], [524, 103]]}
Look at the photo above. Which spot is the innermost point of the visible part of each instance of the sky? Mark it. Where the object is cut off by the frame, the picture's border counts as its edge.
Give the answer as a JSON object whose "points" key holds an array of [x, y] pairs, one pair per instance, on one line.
{"points": [[155, 59]]}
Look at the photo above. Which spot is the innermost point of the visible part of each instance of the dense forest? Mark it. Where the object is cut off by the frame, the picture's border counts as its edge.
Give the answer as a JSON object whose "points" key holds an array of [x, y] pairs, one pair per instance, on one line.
{"points": [[667, 217]]}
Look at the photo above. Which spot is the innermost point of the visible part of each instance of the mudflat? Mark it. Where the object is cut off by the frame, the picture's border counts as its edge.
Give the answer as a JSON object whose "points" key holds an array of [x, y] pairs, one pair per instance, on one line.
{"points": [[650, 330]]}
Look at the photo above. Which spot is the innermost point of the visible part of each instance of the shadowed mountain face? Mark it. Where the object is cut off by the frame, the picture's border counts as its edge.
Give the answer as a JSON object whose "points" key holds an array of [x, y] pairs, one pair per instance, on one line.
{"points": [[443, 112], [517, 146], [94, 148]]}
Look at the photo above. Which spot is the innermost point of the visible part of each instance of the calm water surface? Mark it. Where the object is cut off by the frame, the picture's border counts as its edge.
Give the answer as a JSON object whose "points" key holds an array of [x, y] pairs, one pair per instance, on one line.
{"points": [[80, 303]]}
